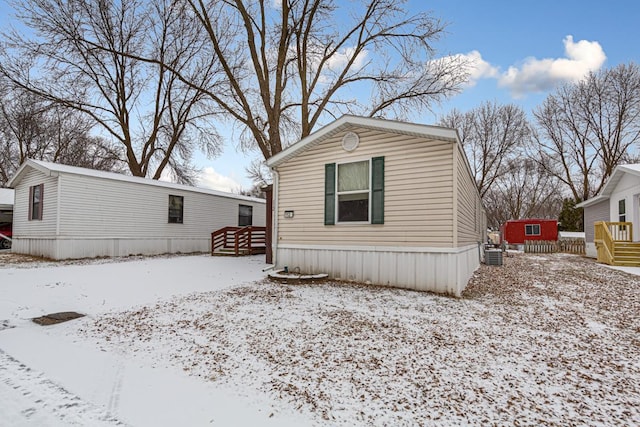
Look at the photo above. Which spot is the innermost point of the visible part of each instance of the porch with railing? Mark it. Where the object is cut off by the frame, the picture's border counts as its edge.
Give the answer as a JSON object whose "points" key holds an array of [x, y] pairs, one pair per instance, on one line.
{"points": [[237, 241], [615, 245]]}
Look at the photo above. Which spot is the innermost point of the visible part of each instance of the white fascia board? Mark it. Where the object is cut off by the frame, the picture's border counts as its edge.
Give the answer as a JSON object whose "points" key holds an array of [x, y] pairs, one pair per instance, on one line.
{"points": [[610, 185], [55, 169], [592, 201], [27, 164]]}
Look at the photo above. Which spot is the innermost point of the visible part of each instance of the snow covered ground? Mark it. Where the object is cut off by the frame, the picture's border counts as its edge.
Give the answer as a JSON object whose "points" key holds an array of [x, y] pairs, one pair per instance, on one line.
{"points": [[196, 340], [53, 376]]}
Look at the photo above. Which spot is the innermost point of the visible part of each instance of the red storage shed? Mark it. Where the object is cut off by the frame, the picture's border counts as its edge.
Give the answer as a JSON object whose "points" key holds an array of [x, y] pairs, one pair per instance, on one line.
{"points": [[516, 231]]}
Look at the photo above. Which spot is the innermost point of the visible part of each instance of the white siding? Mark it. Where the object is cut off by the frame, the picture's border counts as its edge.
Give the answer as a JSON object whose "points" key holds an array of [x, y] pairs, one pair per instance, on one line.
{"points": [[423, 269], [105, 217], [94, 207], [22, 226], [628, 188]]}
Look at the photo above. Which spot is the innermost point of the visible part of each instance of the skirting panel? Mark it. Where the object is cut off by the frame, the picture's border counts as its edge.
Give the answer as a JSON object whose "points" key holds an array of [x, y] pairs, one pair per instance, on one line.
{"points": [[91, 248], [590, 250], [447, 271]]}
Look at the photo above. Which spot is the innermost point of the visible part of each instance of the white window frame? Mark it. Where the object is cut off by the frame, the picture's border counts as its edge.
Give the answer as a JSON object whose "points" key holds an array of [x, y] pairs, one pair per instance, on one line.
{"points": [[622, 214], [338, 194], [532, 234]]}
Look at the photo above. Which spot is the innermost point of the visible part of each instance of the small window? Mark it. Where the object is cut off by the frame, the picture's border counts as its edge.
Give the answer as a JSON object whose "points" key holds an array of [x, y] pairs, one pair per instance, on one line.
{"points": [[245, 215], [622, 211], [176, 209], [35, 202], [353, 192], [532, 230]]}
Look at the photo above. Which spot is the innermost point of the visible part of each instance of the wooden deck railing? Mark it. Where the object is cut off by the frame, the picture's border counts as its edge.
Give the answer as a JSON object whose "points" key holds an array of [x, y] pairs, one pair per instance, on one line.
{"points": [[606, 234], [242, 240]]}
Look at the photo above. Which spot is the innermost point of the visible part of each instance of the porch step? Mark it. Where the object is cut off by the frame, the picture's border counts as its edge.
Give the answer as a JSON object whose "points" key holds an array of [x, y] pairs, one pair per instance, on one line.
{"points": [[229, 252], [627, 254], [242, 252]]}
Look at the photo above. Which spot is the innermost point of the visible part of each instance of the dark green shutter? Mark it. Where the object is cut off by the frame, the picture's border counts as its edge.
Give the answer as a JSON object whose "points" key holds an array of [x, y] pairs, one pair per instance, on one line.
{"points": [[330, 194], [377, 190]]}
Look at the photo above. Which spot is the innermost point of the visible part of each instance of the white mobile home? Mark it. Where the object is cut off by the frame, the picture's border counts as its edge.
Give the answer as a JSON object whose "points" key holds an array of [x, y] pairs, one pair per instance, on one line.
{"points": [[69, 212], [612, 219], [378, 201], [6, 217]]}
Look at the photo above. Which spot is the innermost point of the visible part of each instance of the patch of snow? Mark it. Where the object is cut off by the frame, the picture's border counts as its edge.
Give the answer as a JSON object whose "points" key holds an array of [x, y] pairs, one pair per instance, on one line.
{"points": [[571, 235], [631, 270], [206, 341]]}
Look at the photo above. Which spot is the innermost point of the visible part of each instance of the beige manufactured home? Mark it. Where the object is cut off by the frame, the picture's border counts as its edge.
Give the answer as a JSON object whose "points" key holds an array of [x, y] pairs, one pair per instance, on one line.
{"points": [[378, 201], [69, 212]]}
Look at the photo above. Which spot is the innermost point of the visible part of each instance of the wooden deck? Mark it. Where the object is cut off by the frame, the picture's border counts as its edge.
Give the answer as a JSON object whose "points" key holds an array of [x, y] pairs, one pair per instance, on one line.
{"points": [[615, 245], [238, 241]]}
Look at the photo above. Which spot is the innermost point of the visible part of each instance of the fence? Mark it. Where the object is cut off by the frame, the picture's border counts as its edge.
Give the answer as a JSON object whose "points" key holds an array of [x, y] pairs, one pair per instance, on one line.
{"points": [[572, 246]]}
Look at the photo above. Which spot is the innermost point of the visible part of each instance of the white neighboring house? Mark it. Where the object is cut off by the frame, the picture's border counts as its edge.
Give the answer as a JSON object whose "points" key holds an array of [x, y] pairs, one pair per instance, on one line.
{"points": [[65, 212], [6, 216], [379, 201], [618, 201], [6, 203]]}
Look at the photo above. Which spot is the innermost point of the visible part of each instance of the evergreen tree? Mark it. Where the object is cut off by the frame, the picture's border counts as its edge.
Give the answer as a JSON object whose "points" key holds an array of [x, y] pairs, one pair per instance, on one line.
{"points": [[570, 218]]}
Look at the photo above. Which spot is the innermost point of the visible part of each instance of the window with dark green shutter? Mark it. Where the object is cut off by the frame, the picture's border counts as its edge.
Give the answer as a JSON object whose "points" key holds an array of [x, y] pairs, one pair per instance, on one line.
{"points": [[377, 190], [329, 194], [354, 192]]}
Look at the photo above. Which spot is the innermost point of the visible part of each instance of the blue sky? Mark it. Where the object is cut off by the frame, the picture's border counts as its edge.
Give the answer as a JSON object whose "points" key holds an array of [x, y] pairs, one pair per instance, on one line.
{"points": [[522, 50], [529, 37]]}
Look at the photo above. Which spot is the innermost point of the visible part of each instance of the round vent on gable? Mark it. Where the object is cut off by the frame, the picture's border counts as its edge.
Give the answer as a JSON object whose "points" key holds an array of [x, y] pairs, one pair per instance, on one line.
{"points": [[350, 141]]}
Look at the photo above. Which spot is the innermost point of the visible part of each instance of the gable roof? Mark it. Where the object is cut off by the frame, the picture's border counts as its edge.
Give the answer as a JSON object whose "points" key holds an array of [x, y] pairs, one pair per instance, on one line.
{"points": [[55, 169], [612, 182], [348, 122]]}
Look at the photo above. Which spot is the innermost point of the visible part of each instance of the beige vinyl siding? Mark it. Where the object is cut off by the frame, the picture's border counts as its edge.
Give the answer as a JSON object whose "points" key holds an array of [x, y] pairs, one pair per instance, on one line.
{"points": [[46, 227], [418, 195], [593, 214], [96, 207], [470, 211]]}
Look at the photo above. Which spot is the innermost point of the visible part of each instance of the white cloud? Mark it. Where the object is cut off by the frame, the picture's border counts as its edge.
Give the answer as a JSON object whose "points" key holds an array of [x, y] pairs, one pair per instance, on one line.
{"points": [[476, 67], [209, 178], [538, 75], [338, 60]]}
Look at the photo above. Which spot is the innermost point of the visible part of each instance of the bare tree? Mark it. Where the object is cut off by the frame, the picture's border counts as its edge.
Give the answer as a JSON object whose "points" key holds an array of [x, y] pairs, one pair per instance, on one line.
{"points": [[82, 56], [492, 135], [525, 190], [289, 65], [585, 129], [31, 127]]}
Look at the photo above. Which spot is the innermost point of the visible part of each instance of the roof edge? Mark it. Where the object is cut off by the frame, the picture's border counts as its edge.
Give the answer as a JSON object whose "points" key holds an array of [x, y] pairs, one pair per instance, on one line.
{"points": [[592, 201], [50, 169], [27, 163], [367, 122]]}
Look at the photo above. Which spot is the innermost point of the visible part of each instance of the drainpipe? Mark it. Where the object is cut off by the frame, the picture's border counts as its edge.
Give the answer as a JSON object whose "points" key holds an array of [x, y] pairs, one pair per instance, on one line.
{"points": [[274, 243]]}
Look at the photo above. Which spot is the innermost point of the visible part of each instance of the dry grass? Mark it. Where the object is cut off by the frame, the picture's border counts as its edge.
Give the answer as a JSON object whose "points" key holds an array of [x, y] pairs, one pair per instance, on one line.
{"points": [[543, 340]]}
